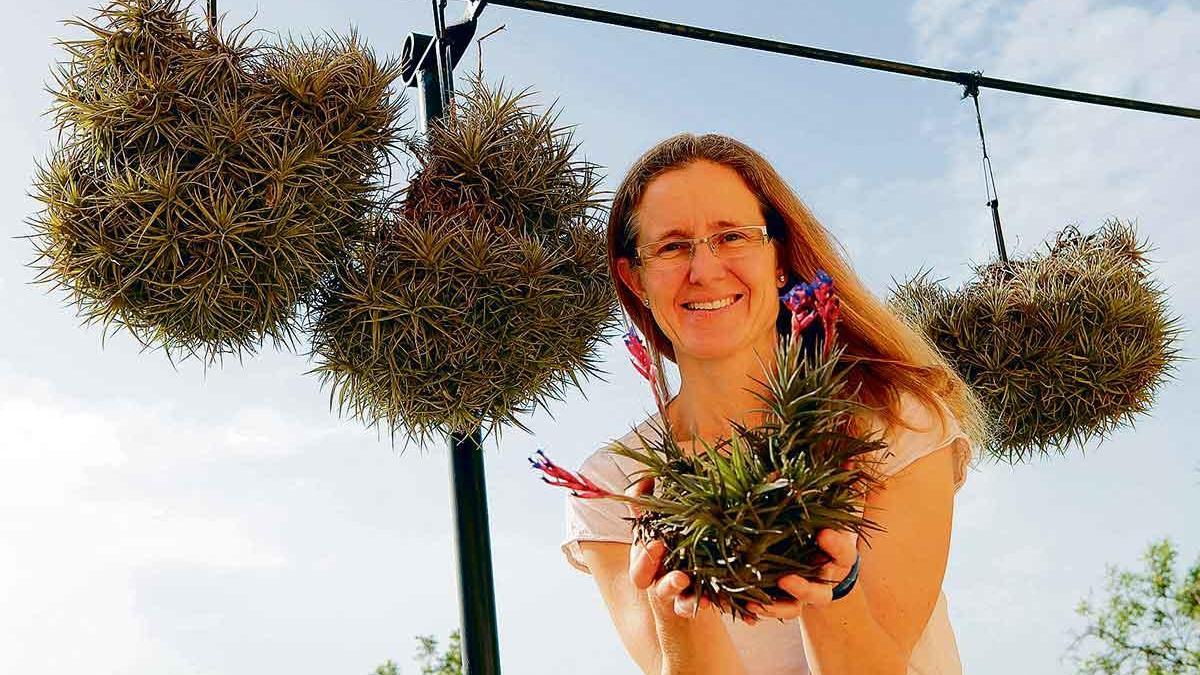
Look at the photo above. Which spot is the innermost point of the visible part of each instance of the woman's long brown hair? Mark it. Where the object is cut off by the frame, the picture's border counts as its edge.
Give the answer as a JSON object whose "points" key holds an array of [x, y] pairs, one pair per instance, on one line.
{"points": [[886, 355]]}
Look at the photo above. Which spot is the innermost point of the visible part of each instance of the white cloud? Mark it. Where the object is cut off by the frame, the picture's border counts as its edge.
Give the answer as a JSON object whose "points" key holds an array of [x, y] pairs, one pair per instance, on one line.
{"points": [[945, 29], [83, 511]]}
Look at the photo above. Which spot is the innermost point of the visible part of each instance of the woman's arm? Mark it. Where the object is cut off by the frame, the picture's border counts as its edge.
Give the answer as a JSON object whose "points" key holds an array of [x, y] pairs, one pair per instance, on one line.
{"points": [[876, 626], [659, 629], [628, 607]]}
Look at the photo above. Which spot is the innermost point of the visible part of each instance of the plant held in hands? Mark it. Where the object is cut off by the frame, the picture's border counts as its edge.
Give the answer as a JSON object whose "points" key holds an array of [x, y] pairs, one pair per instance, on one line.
{"points": [[740, 515]]}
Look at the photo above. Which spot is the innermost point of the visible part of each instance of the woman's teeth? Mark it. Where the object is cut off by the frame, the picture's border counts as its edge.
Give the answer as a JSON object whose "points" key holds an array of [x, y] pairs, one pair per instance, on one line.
{"points": [[716, 304]]}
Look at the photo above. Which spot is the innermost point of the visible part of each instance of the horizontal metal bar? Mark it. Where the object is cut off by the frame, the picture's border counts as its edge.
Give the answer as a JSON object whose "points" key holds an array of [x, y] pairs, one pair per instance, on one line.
{"points": [[966, 79]]}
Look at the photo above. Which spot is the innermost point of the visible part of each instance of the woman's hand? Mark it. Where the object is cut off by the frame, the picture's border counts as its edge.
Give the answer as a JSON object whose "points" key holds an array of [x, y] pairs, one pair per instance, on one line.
{"points": [[668, 592], [842, 547]]}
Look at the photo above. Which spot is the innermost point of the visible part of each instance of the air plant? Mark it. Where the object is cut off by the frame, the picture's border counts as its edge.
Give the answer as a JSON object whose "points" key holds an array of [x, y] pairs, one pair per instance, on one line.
{"points": [[483, 291], [205, 183], [741, 514], [1063, 347]]}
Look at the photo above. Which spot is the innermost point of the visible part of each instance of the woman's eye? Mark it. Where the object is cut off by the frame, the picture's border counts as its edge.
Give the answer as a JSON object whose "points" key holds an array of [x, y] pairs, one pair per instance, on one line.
{"points": [[671, 247], [733, 237]]}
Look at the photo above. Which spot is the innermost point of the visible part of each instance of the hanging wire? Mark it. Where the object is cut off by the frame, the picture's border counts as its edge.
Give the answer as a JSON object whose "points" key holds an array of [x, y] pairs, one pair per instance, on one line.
{"points": [[479, 45], [971, 88]]}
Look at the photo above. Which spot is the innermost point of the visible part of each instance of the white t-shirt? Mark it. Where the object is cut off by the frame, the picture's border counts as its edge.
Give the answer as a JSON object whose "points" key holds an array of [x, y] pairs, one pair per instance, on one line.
{"points": [[772, 647]]}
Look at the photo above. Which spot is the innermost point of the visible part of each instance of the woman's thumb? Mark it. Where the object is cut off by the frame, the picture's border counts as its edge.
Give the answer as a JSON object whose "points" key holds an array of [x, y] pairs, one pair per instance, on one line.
{"points": [[639, 488]]}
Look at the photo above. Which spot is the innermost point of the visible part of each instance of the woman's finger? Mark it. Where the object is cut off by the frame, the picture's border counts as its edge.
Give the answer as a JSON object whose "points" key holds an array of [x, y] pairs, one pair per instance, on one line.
{"points": [[645, 561], [841, 546], [671, 585]]}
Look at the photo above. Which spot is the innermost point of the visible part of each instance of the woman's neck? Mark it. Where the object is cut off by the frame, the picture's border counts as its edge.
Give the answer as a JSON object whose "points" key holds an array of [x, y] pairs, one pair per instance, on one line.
{"points": [[713, 392]]}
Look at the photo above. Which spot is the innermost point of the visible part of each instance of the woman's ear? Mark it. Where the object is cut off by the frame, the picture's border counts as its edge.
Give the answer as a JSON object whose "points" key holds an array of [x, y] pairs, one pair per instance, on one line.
{"points": [[630, 277]]}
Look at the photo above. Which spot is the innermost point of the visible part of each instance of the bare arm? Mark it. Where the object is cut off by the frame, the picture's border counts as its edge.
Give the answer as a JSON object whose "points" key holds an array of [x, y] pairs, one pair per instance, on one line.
{"points": [[628, 606], [901, 576]]}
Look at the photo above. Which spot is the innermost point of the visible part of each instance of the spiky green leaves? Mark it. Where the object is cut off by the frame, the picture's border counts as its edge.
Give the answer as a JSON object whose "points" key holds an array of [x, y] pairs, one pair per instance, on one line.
{"points": [[739, 516], [485, 291], [206, 184], [1063, 347]]}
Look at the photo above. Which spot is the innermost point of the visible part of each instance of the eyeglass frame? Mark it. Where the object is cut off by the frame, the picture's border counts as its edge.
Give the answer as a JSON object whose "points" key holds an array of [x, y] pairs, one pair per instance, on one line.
{"points": [[696, 241]]}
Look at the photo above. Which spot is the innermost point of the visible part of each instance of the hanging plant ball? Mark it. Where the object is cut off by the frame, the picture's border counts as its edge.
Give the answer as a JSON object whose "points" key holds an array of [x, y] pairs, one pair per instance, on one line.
{"points": [[205, 184], [1064, 346], [484, 290]]}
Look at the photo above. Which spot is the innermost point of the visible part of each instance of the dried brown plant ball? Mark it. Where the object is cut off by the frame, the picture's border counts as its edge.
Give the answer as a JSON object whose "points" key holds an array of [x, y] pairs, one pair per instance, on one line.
{"points": [[1064, 346], [485, 289], [205, 184]]}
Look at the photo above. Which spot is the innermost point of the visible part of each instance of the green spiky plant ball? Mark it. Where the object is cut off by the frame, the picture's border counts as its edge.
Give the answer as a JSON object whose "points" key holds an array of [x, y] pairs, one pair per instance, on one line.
{"points": [[205, 183], [1064, 346], [740, 515], [484, 289]]}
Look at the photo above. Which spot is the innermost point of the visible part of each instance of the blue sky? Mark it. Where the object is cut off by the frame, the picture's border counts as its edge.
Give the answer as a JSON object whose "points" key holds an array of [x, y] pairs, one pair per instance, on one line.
{"points": [[158, 520]]}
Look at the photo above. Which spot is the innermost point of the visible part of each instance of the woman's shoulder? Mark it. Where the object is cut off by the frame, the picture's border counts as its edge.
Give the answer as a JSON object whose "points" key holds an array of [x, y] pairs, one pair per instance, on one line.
{"points": [[924, 427], [613, 468], [914, 417]]}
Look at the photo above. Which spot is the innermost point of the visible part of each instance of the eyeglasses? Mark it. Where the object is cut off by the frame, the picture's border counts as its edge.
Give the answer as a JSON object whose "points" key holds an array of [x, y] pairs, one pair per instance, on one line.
{"points": [[727, 244]]}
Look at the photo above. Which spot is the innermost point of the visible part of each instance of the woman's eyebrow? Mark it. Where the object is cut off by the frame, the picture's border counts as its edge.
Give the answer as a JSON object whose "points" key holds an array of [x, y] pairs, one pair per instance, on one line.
{"points": [[720, 224]]}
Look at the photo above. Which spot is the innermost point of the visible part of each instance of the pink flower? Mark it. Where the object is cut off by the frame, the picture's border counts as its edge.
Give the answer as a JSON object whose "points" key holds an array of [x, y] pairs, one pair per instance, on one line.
{"points": [[580, 485], [640, 356], [809, 302], [644, 365]]}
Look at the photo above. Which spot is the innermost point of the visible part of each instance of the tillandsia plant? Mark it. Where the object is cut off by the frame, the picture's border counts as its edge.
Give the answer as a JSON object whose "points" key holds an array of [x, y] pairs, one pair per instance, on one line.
{"points": [[204, 182], [1064, 346], [484, 290], [741, 514]]}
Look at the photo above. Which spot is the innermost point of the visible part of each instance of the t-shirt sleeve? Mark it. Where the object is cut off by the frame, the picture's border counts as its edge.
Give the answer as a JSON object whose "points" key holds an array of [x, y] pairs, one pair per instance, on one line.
{"points": [[597, 519], [930, 434]]}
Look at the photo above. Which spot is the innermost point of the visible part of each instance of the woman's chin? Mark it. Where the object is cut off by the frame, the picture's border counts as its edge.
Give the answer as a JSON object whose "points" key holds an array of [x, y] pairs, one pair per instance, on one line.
{"points": [[711, 347]]}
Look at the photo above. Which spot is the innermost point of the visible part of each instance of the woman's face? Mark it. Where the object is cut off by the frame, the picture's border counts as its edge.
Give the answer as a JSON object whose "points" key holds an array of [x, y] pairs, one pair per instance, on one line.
{"points": [[697, 201]]}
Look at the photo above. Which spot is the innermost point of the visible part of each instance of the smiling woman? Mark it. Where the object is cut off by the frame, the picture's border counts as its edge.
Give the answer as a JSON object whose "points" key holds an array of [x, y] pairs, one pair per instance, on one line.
{"points": [[703, 237]]}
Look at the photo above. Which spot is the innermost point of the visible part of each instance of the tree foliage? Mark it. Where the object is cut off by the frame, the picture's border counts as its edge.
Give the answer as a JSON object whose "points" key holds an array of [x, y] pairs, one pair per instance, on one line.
{"points": [[436, 662], [1149, 623]]}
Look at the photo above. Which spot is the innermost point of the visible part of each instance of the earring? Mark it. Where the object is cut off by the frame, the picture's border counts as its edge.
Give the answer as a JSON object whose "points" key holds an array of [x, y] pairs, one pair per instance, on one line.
{"points": [[646, 301], [782, 279]]}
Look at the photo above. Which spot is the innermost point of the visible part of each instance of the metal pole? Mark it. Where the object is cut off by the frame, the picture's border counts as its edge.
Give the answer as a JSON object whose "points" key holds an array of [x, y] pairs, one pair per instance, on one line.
{"points": [[790, 49], [476, 590], [428, 63]]}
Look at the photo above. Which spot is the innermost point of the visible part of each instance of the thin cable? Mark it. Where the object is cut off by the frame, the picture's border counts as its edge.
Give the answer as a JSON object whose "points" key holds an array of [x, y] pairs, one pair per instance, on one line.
{"points": [[989, 178]]}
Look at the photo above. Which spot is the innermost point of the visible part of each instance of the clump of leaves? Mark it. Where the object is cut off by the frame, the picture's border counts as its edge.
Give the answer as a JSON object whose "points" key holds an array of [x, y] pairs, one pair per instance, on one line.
{"points": [[1064, 346], [484, 290], [205, 182], [1148, 623], [740, 515]]}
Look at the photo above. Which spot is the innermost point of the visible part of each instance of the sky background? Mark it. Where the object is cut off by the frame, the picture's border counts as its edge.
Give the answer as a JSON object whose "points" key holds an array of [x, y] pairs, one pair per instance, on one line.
{"points": [[161, 520]]}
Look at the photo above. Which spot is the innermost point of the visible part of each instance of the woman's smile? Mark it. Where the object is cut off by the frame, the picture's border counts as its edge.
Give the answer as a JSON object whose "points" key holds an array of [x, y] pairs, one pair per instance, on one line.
{"points": [[710, 308]]}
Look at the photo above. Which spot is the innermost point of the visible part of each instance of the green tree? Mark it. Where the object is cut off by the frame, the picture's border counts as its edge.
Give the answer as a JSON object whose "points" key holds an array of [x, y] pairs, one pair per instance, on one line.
{"points": [[1149, 623], [389, 667], [435, 662]]}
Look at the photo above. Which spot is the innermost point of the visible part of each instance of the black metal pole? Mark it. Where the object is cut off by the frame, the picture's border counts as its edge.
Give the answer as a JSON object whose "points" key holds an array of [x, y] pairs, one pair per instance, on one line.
{"points": [[427, 62], [790, 49], [476, 589]]}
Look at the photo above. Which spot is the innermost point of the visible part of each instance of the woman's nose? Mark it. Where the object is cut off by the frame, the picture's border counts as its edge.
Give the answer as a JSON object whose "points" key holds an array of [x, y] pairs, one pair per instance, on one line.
{"points": [[704, 264]]}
